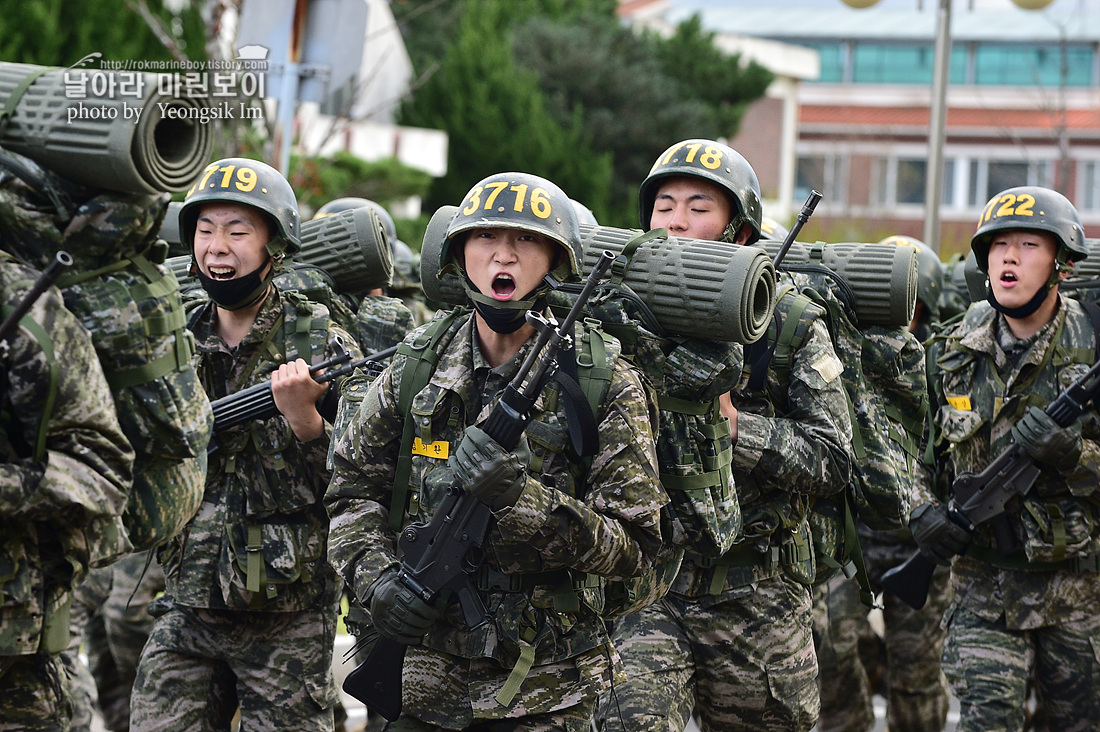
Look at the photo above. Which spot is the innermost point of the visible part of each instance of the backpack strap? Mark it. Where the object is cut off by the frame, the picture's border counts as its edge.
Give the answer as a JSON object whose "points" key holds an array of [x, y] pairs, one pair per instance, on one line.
{"points": [[422, 357], [45, 342]]}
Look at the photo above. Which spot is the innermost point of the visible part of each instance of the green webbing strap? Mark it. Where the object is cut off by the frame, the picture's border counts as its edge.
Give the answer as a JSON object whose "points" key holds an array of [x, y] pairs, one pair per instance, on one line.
{"points": [[1018, 561], [255, 571], [519, 672], [255, 360], [622, 259], [46, 344], [593, 371], [785, 343], [422, 357], [668, 403], [17, 94]]}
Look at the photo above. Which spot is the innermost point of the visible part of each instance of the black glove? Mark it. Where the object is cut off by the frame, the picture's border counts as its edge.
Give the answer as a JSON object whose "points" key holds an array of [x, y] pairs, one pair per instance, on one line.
{"points": [[1057, 447], [937, 535], [398, 613], [495, 476]]}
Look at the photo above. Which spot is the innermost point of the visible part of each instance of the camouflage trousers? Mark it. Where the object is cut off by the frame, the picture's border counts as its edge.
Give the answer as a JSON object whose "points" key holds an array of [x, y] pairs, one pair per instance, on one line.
{"points": [[115, 600], [991, 667], [200, 665], [442, 691], [744, 663], [34, 694], [917, 696]]}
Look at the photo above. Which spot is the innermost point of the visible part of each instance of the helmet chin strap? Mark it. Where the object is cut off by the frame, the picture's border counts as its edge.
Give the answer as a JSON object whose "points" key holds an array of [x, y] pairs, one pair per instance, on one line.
{"points": [[1040, 295], [505, 317]]}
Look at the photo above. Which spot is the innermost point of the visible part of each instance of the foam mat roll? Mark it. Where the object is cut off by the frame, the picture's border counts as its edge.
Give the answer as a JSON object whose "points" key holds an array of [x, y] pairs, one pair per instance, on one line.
{"points": [[130, 138]]}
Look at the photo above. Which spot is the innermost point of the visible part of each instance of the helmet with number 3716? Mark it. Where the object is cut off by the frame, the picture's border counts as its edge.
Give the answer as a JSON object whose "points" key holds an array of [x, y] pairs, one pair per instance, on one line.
{"points": [[517, 201], [253, 183], [1030, 207]]}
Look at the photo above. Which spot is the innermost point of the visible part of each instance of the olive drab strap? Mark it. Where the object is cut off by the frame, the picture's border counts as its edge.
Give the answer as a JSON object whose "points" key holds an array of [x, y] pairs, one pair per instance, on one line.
{"points": [[422, 356], [45, 342]]}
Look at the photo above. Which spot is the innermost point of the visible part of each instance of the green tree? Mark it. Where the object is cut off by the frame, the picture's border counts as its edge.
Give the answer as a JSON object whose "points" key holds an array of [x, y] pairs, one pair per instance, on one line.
{"points": [[53, 33], [496, 115]]}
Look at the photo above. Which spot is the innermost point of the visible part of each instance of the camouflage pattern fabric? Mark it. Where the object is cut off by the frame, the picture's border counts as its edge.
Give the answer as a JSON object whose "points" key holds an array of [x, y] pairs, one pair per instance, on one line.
{"points": [[1014, 618], [116, 599], [60, 512], [785, 454], [603, 522], [742, 661], [917, 697], [131, 306], [257, 544], [37, 694], [275, 666], [317, 286], [381, 322]]}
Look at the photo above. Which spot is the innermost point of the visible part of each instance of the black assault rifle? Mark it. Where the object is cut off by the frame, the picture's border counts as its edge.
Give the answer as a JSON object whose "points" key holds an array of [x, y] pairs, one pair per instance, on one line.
{"points": [[257, 401], [439, 556], [981, 498], [45, 280]]}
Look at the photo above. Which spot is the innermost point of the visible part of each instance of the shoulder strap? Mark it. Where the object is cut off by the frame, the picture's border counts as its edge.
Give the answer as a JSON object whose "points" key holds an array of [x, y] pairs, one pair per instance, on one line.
{"points": [[422, 357]]}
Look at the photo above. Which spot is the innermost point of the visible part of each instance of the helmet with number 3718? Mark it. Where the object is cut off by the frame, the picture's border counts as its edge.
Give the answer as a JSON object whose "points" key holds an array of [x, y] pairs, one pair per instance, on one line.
{"points": [[517, 201], [1030, 207], [253, 183], [712, 161]]}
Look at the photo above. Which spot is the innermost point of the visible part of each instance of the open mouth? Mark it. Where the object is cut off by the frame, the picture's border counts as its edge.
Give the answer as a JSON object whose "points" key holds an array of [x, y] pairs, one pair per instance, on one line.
{"points": [[1009, 278], [503, 287], [222, 273]]}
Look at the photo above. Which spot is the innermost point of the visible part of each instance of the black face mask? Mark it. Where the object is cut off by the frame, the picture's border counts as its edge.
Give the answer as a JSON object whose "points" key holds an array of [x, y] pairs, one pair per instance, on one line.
{"points": [[1024, 310], [239, 292], [505, 317]]}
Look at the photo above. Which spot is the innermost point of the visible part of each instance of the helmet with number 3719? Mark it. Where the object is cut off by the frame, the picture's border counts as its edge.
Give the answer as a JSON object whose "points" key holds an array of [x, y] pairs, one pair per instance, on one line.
{"points": [[517, 201], [253, 183], [1030, 207]]}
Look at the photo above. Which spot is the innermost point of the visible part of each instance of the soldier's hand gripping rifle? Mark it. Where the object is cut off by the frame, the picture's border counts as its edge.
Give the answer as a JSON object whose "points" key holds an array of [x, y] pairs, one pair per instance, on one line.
{"points": [[439, 556], [980, 498], [257, 401]]}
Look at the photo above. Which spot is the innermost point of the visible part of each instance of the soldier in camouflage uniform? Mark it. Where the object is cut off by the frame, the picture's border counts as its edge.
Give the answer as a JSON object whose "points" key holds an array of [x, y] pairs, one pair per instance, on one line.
{"points": [[248, 618], [732, 640], [916, 690], [67, 472], [564, 525], [1031, 615]]}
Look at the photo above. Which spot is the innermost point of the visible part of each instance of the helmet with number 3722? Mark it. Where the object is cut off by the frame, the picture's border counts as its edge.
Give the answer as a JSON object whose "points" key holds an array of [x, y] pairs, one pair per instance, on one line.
{"points": [[253, 183], [518, 201], [710, 160], [1030, 207]]}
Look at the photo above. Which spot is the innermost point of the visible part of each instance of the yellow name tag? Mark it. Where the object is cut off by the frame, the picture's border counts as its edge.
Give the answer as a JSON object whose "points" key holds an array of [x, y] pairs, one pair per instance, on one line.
{"points": [[962, 403], [438, 449]]}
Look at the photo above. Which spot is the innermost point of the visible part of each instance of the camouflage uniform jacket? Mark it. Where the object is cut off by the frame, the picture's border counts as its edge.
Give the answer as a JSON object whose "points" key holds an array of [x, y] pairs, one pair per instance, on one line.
{"points": [[793, 443], [264, 488], [59, 513], [381, 322], [984, 381], [604, 521]]}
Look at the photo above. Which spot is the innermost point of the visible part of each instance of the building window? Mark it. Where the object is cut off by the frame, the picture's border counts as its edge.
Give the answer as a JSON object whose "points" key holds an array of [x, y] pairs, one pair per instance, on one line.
{"points": [[902, 181], [1031, 65], [1090, 186], [822, 173], [990, 177]]}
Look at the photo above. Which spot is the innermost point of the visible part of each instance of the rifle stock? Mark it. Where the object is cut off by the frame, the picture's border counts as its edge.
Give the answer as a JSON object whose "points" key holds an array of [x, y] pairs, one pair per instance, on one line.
{"points": [[439, 556], [978, 499]]}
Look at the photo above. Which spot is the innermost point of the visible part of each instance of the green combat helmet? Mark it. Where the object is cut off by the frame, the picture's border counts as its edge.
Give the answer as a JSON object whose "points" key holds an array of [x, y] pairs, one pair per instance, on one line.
{"points": [[772, 229], [713, 161], [253, 183], [1036, 208]]}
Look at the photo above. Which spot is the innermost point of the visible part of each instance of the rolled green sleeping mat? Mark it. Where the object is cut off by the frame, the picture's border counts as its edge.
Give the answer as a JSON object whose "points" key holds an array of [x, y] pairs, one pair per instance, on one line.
{"points": [[694, 288], [1090, 265], [351, 247], [881, 277], [111, 130]]}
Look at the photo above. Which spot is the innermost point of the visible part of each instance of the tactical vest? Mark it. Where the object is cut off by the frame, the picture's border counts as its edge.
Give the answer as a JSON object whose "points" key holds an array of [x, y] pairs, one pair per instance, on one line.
{"points": [[301, 331], [886, 389]]}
